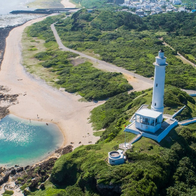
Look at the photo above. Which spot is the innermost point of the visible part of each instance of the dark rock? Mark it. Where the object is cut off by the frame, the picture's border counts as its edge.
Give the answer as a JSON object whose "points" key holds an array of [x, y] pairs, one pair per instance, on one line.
{"points": [[3, 34], [109, 190], [2, 169], [5, 178], [42, 186], [36, 174], [19, 169], [44, 178], [13, 172], [34, 183], [16, 165], [1, 181], [27, 167], [65, 150], [3, 112], [26, 192]]}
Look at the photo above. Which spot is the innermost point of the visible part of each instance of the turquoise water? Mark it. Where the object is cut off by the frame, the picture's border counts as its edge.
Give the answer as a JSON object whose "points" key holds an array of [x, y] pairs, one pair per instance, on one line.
{"points": [[26, 142]]}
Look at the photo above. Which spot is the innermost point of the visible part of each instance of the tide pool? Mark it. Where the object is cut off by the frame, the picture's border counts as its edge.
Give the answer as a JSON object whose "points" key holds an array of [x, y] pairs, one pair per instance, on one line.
{"points": [[26, 142]]}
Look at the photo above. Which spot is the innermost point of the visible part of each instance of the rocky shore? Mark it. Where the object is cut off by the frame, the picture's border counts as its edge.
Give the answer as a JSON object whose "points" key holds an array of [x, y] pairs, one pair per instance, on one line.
{"points": [[30, 178], [6, 100], [4, 32]]}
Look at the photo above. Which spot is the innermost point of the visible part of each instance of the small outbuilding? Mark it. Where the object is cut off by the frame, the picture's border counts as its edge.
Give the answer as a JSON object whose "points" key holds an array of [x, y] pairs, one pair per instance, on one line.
{"points": [[116, 157]]}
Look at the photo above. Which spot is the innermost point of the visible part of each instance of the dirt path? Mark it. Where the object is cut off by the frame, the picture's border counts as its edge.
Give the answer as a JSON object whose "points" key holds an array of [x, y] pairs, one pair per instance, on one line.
{"points": [[138, 82], [182, 58]]}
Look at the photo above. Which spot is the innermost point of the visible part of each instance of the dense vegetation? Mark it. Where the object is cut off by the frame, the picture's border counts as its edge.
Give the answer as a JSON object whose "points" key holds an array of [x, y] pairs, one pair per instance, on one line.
{"points": [[122, 38], [181, 31], [167, 168], [89, 82], [91, 4], [115, 112], [99, 4], [161, 169]]}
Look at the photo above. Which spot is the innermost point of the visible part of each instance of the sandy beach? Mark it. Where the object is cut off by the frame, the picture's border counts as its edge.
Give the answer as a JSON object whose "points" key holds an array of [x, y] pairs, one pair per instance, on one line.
{"points": [[67, 4], [38, 101]]}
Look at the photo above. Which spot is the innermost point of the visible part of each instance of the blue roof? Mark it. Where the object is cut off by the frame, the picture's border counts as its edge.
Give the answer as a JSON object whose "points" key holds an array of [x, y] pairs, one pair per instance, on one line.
{"points": [[193, 10]]}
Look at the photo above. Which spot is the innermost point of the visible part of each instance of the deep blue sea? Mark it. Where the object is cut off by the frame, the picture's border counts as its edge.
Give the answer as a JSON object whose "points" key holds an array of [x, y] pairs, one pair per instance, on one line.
{"points": [[26, 142]]}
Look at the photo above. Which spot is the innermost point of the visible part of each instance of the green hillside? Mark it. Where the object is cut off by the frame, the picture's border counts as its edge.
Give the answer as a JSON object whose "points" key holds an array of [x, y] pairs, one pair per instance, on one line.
{"points": [[131, 42], [167, 168], [83, 78]]}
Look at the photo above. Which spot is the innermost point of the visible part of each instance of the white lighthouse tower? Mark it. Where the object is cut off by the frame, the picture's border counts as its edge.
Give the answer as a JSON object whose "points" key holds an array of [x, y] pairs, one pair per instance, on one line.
{"points": [[159, 82]]}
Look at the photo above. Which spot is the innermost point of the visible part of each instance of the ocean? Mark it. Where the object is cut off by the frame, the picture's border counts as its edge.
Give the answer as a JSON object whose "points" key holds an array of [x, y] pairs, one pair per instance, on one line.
{"points": [[22, 142], [7, 19], [26, 142]]}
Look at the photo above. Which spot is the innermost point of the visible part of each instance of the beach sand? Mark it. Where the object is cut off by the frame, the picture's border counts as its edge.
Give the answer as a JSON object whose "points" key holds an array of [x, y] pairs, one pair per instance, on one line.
{"points": [[38, 101], [67, 4]]}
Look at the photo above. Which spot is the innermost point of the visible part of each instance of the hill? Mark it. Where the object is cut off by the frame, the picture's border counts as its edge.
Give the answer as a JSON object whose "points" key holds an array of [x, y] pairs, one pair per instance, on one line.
{"points": [[129, 41], [167, 168], [151, 169], [80, 77]]}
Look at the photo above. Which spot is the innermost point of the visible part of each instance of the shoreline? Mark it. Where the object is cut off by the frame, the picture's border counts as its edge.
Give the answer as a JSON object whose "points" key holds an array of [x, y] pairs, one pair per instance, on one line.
{"points": [[12, 71], [48, 155], [4, 32]]}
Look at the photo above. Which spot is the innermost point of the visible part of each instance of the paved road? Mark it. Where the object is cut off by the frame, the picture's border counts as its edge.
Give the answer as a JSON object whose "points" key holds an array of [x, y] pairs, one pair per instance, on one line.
{"points": [[186, 59], [138, 82]]}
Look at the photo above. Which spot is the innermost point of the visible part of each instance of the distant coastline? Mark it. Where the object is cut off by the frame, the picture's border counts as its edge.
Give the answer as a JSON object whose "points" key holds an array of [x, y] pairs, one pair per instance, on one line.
{"points": [[43, 11]]}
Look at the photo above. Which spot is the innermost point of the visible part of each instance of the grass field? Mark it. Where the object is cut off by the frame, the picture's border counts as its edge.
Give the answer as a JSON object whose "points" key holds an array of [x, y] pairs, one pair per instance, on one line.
{"points": [[31, 46]]}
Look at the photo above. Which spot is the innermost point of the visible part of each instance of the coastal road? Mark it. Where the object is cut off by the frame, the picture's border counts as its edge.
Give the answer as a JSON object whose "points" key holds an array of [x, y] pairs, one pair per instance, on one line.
{"points": [[138, 82]]}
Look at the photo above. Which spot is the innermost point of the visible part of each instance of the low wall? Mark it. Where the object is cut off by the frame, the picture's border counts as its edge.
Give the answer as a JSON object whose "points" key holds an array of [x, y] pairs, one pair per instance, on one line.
{"points": [[167, 130], [132, 131], [157, 138], [162, 135], [136, 138], [180, 110], [186, 122], [192, 95], [151, 136]]}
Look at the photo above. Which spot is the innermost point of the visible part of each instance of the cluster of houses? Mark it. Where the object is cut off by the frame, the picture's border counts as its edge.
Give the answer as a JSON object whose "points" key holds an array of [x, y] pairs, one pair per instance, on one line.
{"points": [[145, 7]]}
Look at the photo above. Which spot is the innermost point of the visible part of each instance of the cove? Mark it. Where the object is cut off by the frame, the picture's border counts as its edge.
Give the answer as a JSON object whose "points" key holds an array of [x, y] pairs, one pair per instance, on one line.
{"points": [[25, 142]]}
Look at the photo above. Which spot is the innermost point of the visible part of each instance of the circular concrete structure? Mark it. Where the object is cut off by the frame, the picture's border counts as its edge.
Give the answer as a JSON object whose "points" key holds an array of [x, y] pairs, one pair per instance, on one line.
{"points": [[116, 157]]}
